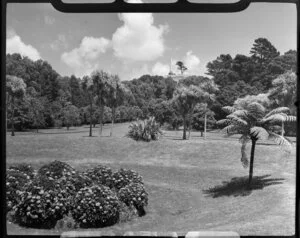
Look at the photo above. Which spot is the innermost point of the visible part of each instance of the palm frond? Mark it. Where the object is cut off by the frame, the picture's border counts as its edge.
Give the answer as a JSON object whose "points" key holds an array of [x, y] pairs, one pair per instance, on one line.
{"points": [[241, 113], [223, 122], [230, 130], [279, 117], [259, 133], [278, 110], [256, 110], [285, 143], [229, 109], [244, 159], [290, 118], [237, 120]]}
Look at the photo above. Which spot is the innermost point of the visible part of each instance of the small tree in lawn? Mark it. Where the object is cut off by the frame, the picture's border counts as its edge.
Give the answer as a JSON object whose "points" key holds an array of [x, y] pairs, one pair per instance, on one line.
{"points": [[88, 88], [71, 115], [185, 99], [116, 95], [36, 108], [15, 90], [253, 123]]}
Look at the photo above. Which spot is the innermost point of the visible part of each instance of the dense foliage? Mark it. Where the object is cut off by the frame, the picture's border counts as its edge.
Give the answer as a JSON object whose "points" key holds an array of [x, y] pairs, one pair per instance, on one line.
{"points": [[57, 194]]}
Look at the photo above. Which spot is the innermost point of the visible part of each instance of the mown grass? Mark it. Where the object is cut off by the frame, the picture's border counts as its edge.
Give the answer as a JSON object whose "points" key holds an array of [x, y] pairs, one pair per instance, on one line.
{"points": [[193, 185]]}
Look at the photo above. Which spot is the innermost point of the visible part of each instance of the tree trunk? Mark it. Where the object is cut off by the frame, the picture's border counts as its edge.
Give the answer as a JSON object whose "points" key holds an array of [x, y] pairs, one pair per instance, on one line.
{"points": [[184, 128], [101, 118], [205, 123], [251, 162], [37, 129], [91, 115], [112, 120], [282, 128], [12, 117]]}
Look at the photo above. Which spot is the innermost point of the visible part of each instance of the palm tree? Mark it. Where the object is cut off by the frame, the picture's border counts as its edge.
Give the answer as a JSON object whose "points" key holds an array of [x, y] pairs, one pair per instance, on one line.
{"points": [[15, 90], [181, 66], [253, 123]]}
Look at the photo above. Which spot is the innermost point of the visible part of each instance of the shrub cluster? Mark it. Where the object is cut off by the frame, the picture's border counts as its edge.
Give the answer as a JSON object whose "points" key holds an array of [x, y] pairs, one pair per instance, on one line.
{"points": [[97, 197], [96, 206], [134, 194], [123, 177], [100, 175], [145, 130]]}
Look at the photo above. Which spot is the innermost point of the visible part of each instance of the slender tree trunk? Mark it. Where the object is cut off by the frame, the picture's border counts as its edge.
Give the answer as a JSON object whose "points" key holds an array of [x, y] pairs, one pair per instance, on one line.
{"points": [[37, 129], [251, 162], [101, 118], [205, 124], [91, 116], [112, 120], [184, 128], [190, 126], [12, 117], [282, 128]]}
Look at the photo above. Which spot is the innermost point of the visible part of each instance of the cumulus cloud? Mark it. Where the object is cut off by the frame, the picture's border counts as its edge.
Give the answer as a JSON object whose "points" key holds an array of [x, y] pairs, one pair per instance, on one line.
{"points": [[160, 69], [192, 62], [60, 42], [84, 58], [138, 39], [14, 44]]}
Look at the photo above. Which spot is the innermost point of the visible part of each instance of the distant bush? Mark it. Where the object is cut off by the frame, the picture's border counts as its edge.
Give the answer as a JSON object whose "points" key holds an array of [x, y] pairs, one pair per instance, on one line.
{"points": [[134, 194], [95, 206], [123, 177], [100, 175], [145, 130]]}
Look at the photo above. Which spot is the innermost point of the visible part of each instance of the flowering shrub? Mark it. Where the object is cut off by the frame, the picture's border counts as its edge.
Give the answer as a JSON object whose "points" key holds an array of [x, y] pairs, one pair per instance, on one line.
{"points": [[134, 194], [15, 182], [123, 177], [100, 175], [25, 168], [39, 208], [55, 169], [95, 206], [145, 130]]}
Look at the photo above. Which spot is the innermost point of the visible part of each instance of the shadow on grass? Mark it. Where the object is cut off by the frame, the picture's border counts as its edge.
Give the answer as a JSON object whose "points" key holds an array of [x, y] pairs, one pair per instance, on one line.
{"points": [[238, 186]]}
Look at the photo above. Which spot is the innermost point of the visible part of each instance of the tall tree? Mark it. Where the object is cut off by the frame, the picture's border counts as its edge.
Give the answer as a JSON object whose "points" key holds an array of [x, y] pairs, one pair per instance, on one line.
{"points": [[15, 90], [70, 115], [100, 82], [254, 124], [88, 88], [181, 66], [185, 99], [116, 95], [263, 51]]}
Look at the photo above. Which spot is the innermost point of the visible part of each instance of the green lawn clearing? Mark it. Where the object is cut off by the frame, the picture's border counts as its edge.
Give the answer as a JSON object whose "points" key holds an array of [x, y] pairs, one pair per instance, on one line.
{"points": [[193, 185]]}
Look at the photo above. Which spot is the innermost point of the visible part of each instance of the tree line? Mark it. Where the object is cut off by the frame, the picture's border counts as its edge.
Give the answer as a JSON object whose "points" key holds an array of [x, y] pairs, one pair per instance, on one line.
{"points": [[38, 97]]}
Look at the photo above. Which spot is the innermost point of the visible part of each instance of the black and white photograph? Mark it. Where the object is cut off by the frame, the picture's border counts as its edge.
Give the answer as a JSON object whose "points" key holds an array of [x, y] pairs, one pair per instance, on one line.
{"points": [[151, 123]]}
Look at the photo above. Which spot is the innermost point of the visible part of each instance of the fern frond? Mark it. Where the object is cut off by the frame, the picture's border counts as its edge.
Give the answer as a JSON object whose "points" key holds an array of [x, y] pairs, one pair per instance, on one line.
{"points": [[259, 133], [285, 143], [223, 122], [256, 110], [229, 109], [237, 120], [230, 130], [278, 110]]}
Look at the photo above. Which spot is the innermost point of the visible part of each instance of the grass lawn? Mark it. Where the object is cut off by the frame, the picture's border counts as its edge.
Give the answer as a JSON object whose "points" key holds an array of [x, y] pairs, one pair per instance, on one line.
{"points": [[193, 185]]}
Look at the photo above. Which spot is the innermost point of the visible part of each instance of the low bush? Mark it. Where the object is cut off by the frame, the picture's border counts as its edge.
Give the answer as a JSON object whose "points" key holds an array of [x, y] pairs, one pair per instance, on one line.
{"points": [[39, 208], [55, 169], [100, 175], [127, 213], [134, 194], [25, 168], [16, 180], [145, 130], [123, 177], [95, 206]]}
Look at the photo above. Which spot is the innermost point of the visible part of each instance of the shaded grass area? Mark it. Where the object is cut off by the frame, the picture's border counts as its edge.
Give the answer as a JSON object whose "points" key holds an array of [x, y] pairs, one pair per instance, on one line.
{"points": [[195, 184], [238, 186]]}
